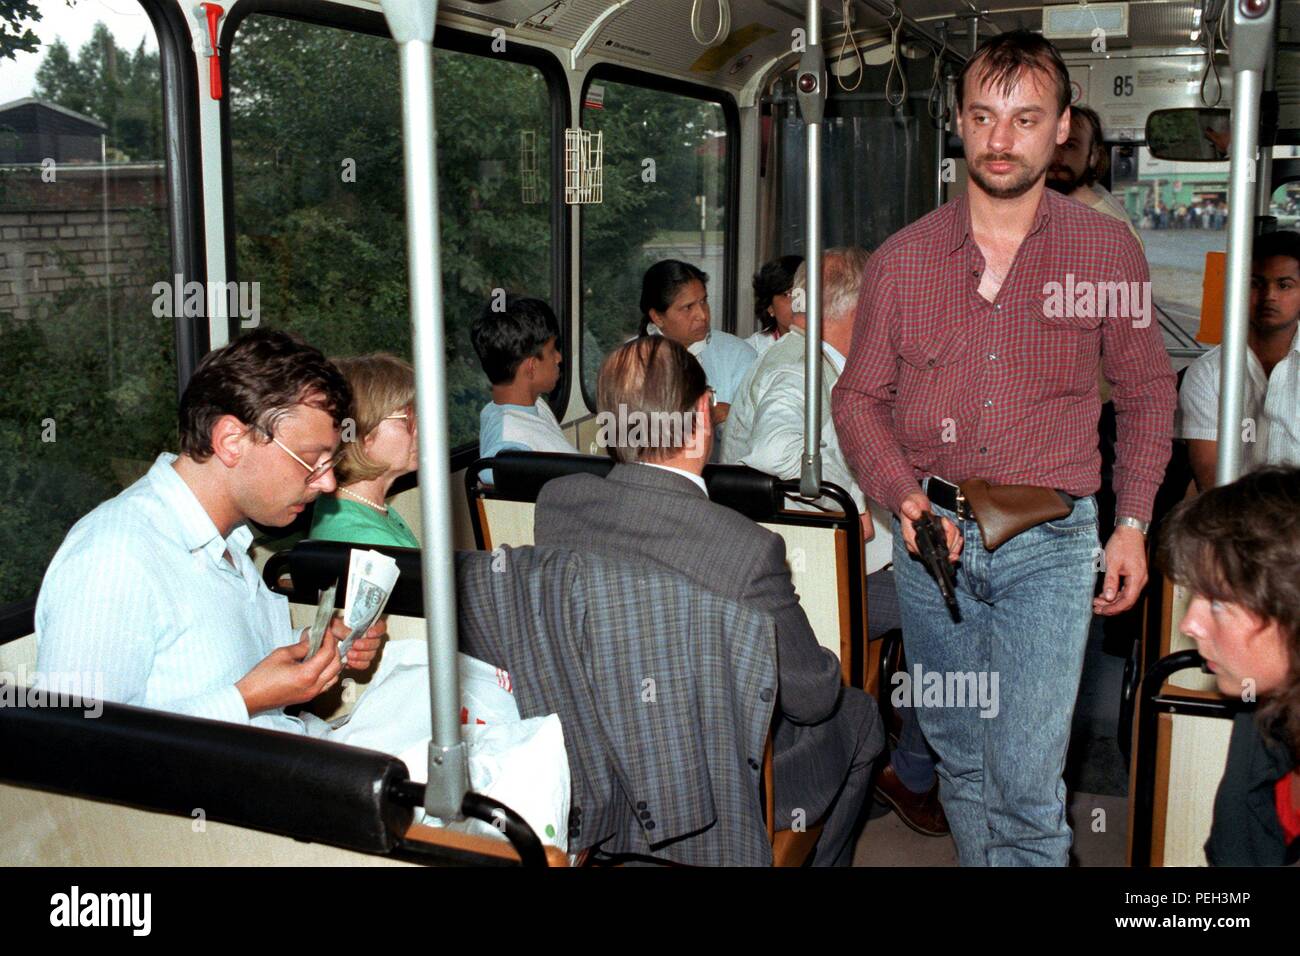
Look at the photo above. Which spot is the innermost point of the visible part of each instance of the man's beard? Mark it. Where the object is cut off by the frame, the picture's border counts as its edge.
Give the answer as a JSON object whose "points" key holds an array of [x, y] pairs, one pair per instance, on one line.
{"points": [[1016, 187], [1070, 182]]}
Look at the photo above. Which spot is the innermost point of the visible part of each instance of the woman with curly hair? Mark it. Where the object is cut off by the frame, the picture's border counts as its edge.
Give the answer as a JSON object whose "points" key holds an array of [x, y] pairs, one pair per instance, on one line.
{"points": [[1237, 549]]}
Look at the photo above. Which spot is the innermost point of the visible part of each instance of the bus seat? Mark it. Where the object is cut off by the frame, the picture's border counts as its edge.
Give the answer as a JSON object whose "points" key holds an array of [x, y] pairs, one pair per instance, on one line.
{"points": [[1180, 750], [790, 848], [823, 549], [299, 787], [18, 641]]}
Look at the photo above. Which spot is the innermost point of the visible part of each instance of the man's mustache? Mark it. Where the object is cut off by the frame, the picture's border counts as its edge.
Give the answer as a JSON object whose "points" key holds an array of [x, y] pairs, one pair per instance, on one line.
{"points": [[1000, 158]]}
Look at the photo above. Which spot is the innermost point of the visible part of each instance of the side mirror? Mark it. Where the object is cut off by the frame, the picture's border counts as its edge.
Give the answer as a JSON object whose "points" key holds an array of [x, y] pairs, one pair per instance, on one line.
{"points": [[1190, 135]]}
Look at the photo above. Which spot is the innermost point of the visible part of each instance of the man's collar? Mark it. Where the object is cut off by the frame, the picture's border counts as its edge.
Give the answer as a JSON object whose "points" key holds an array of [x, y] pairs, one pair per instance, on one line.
{"points": [[961, 224], [696, 479], [829, 352], [194, 527]]}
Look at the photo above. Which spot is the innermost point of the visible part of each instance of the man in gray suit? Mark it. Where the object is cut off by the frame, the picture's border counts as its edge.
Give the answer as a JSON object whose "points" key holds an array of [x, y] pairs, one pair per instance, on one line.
{"points": [[654, 416]]}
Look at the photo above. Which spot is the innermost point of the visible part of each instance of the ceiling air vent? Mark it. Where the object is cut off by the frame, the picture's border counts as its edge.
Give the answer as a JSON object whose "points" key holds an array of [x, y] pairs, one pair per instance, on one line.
{"points": [[1079, 21]]}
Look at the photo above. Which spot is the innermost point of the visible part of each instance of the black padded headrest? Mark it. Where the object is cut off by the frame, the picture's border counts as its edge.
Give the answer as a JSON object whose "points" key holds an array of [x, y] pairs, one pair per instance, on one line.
{"points": [[520, 475], [315, 565], [296, 786]]}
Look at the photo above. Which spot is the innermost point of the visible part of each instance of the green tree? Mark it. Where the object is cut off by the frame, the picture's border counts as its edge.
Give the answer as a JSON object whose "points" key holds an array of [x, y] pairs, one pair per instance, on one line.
{"points": [[16, 36], [115, 86]]}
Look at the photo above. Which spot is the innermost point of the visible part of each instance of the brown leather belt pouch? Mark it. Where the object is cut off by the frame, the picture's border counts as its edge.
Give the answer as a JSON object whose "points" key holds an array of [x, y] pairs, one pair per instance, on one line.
{"points": [[1003, 511]]}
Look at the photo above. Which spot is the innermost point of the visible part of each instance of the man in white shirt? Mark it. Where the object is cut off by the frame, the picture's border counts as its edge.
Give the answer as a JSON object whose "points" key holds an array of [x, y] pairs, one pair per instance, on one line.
{"points": [[765, 431], [1270, 430], [1080, 162], [154, 590]]}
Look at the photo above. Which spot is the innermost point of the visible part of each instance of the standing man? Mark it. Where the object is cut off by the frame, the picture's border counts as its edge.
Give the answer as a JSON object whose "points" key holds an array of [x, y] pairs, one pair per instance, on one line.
{"points": [[968, 363], [1080, 163]]}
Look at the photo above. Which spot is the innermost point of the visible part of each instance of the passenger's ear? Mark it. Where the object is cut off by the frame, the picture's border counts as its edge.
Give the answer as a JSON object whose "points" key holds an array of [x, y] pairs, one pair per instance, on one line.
{"points": [[230, 439], [1063, 127]]}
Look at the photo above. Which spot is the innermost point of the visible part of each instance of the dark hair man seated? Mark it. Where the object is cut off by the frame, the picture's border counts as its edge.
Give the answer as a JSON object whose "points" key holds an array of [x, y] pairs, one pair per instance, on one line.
{"points": [[154, 591], [654, 408], [1270, 432], [516, 342]]}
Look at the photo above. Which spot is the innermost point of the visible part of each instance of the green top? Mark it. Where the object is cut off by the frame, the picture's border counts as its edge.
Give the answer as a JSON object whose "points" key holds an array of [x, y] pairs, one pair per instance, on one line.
{"points": [[337, 519]]}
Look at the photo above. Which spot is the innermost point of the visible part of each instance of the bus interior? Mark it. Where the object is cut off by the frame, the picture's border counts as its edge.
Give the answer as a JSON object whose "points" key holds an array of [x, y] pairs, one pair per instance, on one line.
{"points": [[173, 175]]}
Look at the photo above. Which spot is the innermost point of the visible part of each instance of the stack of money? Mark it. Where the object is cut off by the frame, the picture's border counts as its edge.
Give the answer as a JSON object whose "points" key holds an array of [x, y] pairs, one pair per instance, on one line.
{"points": [[371, 577]]}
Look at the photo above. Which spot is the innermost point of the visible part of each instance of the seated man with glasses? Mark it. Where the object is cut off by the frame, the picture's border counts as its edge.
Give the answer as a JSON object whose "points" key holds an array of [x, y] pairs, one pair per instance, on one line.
{"points": [[154, 592]]}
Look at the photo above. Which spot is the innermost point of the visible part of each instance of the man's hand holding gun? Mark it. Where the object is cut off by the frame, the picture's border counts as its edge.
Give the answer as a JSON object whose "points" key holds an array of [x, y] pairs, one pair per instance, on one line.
{"points": [[936, 541]]}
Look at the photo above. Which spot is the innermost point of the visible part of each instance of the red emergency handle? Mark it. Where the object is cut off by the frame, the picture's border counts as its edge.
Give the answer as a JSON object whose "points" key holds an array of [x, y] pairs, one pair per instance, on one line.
{"points": [[214, 14]]}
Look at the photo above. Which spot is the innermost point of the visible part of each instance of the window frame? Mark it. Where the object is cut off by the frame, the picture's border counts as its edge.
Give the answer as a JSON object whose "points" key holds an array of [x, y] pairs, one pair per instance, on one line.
{"points": [[630, 76], [452, 40], [178, 82]]}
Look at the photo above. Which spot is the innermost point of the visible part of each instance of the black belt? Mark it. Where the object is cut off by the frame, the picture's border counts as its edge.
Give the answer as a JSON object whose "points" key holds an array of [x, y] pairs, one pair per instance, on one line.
{"points": [[948, 496]]}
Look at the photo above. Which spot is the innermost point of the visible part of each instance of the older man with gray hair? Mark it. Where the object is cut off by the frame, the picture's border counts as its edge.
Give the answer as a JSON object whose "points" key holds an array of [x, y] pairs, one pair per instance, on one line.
{"points": [[765, 431]]}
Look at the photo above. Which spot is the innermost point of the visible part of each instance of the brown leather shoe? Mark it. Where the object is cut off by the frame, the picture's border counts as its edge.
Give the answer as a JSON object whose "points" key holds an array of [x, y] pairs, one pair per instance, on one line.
{"points": [[920, 811]]}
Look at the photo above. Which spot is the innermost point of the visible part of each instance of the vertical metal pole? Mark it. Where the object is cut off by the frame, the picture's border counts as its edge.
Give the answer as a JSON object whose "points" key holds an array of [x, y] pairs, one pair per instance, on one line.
{"points": [[811, 87], [411, 23], [940, 125], [1252, 38], [973, 34], [1264, 165]]}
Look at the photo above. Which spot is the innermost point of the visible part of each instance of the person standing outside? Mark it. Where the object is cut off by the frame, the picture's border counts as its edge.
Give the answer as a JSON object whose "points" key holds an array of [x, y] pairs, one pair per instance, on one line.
{"points": [[967, 363]]}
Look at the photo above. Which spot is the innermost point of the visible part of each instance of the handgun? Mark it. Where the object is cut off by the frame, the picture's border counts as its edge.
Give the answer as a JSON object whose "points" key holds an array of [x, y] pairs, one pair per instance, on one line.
{"points": [[932, 545]]}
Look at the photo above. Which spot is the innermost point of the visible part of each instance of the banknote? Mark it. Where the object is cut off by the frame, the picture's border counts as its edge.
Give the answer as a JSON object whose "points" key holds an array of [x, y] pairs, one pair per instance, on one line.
{"points": [[324, 613], [371, 577]]}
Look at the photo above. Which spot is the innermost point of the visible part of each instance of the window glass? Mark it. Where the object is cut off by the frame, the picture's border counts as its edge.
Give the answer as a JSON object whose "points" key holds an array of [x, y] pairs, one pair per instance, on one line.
{"points": [[1181, 212], [87, 343], [319, 197], [665, 193], [1285, 202]]}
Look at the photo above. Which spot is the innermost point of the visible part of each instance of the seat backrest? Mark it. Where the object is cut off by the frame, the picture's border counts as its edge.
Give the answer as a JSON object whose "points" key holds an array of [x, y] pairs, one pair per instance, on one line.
{"points": [[823, 549], [297, 786]]}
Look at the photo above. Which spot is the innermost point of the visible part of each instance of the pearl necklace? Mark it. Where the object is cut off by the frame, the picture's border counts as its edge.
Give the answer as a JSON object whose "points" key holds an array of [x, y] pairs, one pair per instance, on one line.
{"points": [[382, 509]]}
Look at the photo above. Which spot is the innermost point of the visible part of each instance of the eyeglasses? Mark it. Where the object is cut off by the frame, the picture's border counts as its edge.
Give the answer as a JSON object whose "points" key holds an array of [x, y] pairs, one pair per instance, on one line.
{"points": [[314, 472], [407, 416]]}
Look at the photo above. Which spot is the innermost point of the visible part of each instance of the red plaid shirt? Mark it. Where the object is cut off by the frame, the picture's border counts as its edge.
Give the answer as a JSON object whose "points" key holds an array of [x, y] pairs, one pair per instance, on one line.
{"points": [[940, 381]]}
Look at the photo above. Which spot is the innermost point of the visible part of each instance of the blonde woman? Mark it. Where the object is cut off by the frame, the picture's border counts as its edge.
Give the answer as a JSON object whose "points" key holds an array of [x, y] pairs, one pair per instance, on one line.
{"points": [[385, 447]]}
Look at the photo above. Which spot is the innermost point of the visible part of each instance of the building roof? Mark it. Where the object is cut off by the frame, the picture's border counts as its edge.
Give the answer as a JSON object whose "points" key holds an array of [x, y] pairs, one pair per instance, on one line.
{"points": [[34, 101]]}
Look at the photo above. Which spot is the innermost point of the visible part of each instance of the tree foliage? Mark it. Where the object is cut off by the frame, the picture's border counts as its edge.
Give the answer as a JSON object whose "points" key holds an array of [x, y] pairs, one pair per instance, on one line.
{"points": [[16, 34]]}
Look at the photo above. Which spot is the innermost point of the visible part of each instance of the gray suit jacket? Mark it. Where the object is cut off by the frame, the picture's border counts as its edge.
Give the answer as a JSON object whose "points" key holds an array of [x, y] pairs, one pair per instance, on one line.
{"points": [[639, 512], [644, 513], [664, 691]]}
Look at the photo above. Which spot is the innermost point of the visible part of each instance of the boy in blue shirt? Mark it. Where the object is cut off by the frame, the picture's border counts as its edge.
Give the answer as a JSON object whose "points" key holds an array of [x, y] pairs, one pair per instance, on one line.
{"points": [[517, 347]]}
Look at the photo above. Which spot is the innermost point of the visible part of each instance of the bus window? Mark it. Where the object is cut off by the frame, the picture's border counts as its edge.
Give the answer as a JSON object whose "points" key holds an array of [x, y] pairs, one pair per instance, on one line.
{"points": [[87, 339], [319, 196], [665, 197]]}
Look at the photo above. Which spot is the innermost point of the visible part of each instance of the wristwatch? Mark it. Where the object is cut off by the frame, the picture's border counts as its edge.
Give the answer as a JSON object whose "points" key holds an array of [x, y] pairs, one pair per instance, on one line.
{"points": [[1127, 522]]}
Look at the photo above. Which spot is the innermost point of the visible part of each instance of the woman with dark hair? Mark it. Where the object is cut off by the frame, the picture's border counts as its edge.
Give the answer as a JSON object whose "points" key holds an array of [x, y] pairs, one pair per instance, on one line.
{"points": [[675, 304], [1237, 548], [772, 285]]}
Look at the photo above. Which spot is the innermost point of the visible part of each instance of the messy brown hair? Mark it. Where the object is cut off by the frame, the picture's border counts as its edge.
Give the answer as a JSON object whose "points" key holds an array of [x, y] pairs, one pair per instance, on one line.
{"points": [[1240, 543]]}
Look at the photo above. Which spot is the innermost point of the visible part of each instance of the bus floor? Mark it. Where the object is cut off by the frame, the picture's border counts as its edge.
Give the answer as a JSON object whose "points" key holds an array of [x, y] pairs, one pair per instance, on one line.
{"points": [[1095, 777]]}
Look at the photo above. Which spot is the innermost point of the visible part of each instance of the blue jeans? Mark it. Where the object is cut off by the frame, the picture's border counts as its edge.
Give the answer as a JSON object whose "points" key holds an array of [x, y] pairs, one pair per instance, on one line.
{"points": [[1025, 612]]}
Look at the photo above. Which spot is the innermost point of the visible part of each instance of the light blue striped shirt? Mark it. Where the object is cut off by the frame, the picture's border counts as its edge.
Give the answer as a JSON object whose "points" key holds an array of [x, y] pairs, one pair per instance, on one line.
{"points": [[140, 596]]}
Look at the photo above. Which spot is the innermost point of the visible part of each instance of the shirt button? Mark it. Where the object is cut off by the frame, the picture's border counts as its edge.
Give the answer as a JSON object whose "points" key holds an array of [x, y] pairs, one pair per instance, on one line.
{"points": [[998, 306], [983, 449], [753, 764], [649, 824], [765, 694], [988, 403], [993, 357]]}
